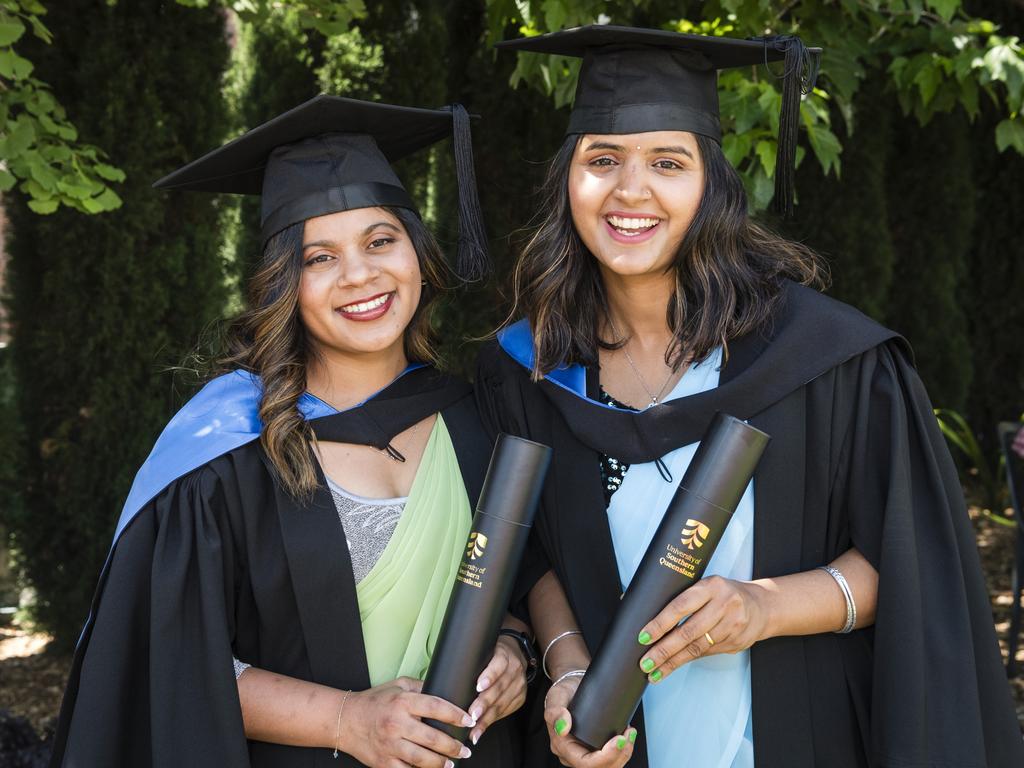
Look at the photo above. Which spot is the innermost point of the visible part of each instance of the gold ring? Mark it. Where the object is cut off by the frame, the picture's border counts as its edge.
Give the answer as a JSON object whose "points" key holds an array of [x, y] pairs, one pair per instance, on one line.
{"points": [[707, 637]]}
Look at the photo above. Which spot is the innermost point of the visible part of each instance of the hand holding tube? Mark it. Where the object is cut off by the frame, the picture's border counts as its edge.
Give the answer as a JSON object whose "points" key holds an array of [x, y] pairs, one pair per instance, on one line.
{"points": [[615, 753], [722, 616], [501, 687]]}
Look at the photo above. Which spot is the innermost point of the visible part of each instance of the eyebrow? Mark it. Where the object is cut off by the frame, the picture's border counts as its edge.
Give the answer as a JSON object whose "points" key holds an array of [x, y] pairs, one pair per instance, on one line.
{"points": [[677, 150], [365, 232]]}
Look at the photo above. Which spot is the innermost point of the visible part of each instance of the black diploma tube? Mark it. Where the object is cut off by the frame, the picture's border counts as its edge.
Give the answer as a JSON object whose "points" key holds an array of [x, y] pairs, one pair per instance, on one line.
{"points": [[487, 573], [694, 522]]}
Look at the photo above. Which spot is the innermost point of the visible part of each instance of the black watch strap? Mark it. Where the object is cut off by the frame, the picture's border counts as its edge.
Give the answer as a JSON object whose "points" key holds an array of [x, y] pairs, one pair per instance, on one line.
{"points": [[529, 652]]}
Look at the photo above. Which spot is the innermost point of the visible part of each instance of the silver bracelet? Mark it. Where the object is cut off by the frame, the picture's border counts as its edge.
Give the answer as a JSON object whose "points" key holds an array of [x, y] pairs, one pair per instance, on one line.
{"points": [[544, 658], [566, 676], [851, 606]]}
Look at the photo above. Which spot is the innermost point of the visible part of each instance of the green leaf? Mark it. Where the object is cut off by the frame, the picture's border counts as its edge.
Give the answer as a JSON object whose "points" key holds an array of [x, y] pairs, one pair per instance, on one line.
{"points": [[91, 205], [7, 180], [969, 97], [42, 172], [747, 114], [76, 186], [927, 80], [10, 30], [108, 172], [44, 206], [761, 190], [108, 200], [826, 148], [555, 14], [20, 136], [13, 66], [1010, 133], [40, 30], [736, 147], [945, 8], [766, 152]]}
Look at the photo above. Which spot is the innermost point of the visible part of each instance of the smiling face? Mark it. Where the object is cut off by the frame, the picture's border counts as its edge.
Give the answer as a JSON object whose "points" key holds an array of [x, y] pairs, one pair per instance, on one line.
{"points": [[634, 196], [360, 283]]}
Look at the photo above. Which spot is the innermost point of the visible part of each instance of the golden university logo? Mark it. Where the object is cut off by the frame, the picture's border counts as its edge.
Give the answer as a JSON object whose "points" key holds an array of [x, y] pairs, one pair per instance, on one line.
{"points": [[695, 533], [476, 545]]}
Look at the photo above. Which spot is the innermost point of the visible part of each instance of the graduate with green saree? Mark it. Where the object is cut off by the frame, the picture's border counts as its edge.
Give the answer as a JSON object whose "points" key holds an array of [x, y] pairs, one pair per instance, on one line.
{"points": [[302, 518]]}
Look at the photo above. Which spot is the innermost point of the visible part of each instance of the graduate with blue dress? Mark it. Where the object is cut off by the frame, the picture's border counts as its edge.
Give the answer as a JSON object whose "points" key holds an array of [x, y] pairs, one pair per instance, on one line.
{"points": [[844, 620]]}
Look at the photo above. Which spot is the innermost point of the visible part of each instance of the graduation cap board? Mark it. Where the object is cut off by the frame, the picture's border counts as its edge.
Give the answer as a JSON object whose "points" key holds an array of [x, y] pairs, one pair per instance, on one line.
{"points": [[640, 80], [333, 154]]}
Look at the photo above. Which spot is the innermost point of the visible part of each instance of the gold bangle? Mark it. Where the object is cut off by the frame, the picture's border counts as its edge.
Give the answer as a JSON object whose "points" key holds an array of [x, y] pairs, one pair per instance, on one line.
{"points": [[337, 731]]}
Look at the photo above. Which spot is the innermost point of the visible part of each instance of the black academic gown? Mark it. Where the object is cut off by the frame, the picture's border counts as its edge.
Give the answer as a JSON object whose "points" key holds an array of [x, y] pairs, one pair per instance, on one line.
{"points": [[856, 459], [223, 562]]}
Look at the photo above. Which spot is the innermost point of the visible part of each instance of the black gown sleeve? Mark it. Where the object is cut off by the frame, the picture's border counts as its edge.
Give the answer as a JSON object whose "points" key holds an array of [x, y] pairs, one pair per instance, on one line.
{"points": [[501, 407], [152, 680], [939, 695]]}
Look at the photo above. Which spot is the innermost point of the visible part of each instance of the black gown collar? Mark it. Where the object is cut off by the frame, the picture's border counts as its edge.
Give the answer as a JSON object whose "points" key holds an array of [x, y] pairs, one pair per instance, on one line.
{"points": [[809, 335]]}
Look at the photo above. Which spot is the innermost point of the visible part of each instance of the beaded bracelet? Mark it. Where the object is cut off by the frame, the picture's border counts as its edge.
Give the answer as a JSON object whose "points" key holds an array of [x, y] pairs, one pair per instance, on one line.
{"points": [[851, 605]]}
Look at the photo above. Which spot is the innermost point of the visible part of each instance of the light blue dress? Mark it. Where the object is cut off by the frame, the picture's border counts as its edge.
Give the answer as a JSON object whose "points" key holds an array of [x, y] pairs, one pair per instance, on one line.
{"points": [[702, 710]]}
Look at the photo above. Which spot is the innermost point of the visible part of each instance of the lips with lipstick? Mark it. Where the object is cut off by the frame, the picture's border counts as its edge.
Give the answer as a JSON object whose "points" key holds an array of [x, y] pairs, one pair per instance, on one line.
{"points": [[369, 308], [633, 228]]}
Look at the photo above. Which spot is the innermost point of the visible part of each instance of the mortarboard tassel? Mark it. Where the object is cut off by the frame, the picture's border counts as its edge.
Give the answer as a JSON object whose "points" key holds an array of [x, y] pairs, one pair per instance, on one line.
{"points": [[473, 258], [798, 77]]}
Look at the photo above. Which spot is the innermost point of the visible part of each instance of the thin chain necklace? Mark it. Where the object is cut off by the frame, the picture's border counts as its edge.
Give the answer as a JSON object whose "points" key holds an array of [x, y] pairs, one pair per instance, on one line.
{"points": [[655, 396]]}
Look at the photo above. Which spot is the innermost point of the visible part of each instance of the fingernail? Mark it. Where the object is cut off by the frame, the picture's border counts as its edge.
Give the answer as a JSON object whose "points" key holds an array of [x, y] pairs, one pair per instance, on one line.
{"points": [[560, 726], [476, 712], [449, 764], [468, 721], [482, 685], [465, 752], [620, 743], [647, 665], [474, 737], [632, 737], [644, 638], [656, 676]]}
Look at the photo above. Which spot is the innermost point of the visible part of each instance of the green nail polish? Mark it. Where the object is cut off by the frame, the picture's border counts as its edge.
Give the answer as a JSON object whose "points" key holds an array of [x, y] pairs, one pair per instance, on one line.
{"points": [[644, 638], [656, 676], [647, 665], [560, 726], [621, 743], [632, 737]]}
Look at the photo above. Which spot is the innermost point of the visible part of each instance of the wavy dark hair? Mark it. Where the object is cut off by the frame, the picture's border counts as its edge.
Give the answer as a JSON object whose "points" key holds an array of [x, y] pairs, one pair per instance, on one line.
{"points": [[269, 340], [729, 272]]}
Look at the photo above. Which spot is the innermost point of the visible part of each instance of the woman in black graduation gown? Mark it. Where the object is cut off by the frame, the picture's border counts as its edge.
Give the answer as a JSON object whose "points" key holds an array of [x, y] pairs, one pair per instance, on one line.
{"points": [[331, 431], [846, 622]]}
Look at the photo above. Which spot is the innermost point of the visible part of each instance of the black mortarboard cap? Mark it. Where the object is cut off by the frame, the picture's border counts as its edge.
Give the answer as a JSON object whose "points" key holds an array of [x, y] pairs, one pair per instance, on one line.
{"points": [[333, 154], [639, 80]]}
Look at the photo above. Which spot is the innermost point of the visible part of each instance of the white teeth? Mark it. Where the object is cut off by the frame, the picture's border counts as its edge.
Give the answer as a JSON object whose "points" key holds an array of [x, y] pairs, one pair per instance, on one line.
{"points": [[632, 225], [366, 306]]}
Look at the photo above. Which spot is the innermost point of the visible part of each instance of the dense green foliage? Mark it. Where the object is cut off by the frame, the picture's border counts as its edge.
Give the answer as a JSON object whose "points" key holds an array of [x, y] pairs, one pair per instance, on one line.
{"points": [[39, 145], [101, 304]]}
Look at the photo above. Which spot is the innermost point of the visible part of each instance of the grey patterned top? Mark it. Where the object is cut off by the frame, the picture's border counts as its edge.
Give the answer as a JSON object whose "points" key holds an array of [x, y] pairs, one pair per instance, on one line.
{"points": [[369, 525]]}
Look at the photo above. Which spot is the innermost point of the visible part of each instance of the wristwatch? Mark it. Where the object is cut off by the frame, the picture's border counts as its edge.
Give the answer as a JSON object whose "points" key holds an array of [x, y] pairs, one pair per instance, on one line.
{"points": [[525, 643]]}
